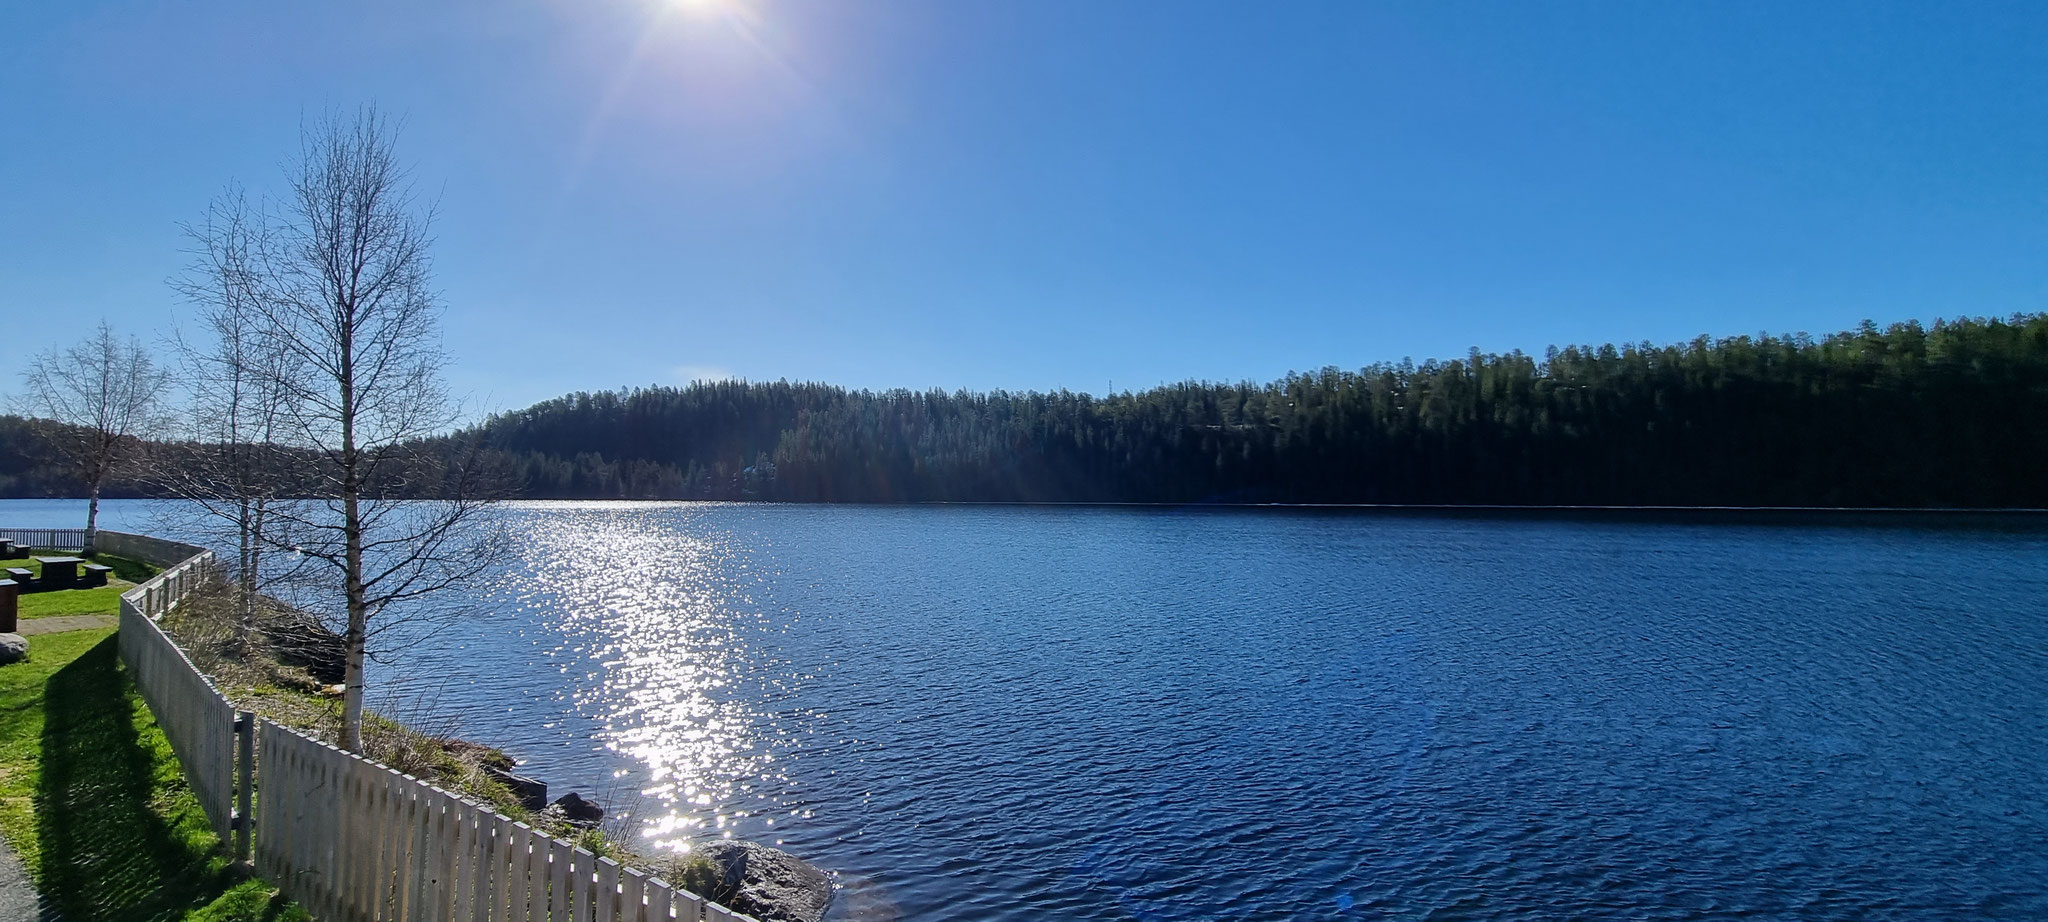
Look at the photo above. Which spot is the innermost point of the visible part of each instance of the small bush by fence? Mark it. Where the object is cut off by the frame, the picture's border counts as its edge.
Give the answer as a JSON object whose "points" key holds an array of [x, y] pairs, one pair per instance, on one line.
{"points": [[353, 839]]}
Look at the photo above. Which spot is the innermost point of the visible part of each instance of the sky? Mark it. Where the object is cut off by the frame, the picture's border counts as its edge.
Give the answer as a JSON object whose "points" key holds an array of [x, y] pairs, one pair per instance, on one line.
{"points": [[1051, 194]]}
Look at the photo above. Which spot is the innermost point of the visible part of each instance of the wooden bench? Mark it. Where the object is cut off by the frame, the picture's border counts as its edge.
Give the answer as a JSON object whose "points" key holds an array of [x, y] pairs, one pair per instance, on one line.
{"points": [[95, 575], [22, 577], [8, 548]]}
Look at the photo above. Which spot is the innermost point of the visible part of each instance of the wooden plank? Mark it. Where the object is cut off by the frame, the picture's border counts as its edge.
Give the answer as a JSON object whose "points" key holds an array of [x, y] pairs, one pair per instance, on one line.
{"points": [[579, 885], [440, 831], [320, 833], [378, 883], [464, 849], [478, 884], [395, 857], [607, 890], [264, 818], [419, 891], [404, 856], [689, 906], [512, 870], [558, 880], [660, 901], [501, 864], [347, 819], [369, 839], [522, 893], [632, 896], [297, 838]]}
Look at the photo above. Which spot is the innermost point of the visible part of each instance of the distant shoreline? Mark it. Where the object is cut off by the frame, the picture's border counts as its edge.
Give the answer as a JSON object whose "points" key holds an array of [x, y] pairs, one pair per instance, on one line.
{"points": [[2010, 516]]}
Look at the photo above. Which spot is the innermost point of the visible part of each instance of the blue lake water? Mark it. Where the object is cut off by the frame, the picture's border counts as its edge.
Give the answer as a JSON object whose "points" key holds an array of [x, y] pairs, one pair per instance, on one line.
{"points": [[1005, 713]]}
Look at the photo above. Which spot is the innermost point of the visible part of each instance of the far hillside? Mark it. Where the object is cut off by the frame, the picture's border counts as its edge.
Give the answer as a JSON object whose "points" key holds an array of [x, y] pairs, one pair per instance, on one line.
{"points": [[1906, 415]]}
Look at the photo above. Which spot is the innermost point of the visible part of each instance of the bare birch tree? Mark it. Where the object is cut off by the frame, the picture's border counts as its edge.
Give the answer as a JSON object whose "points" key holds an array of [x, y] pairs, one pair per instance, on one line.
{"points": [[96, 401], [233, 468], [343, 295]]}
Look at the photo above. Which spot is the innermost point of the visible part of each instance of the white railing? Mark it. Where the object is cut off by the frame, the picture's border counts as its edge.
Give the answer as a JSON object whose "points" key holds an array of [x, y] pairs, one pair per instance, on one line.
{"points": [[50, 538], [353, 839], [198, 722]]}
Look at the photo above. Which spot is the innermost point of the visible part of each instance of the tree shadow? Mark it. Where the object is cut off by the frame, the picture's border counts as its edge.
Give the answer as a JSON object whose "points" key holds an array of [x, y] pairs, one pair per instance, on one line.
{"points": [[121, 837]]}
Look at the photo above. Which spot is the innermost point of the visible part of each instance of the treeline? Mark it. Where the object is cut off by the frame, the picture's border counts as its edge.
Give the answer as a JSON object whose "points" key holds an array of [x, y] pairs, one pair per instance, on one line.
{"points": [[1948, 415], [31, 467]]}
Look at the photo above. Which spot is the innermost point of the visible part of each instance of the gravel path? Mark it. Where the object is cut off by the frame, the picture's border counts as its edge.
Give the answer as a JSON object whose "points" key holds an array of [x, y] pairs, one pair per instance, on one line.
{"points": [[18, 901], [61, 623]]}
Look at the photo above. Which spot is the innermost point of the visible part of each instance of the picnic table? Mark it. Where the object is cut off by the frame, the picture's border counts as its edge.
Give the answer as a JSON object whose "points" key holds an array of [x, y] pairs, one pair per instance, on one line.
{"points": [[60, 570]]}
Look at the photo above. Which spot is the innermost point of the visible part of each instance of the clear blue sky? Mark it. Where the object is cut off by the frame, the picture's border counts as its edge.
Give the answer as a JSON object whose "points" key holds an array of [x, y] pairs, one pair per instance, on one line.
{"points": [[1040, 194]]}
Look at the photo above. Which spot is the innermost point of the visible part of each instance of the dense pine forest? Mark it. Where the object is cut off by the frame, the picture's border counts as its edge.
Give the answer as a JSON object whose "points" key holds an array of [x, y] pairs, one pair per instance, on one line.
{"points": [[1948, 415], [1951, 415]]}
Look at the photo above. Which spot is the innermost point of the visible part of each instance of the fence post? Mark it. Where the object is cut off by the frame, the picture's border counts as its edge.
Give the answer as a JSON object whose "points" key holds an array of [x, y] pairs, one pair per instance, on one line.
{"points": [[245, 775]]}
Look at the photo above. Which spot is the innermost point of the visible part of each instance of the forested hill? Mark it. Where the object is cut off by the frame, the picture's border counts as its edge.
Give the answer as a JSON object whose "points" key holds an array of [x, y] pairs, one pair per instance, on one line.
{"points": [[1952, 415]]}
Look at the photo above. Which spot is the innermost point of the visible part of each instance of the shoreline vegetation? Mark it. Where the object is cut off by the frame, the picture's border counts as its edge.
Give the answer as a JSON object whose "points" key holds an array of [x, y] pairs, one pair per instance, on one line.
{"points": [[285, 671], [1900, 417]]}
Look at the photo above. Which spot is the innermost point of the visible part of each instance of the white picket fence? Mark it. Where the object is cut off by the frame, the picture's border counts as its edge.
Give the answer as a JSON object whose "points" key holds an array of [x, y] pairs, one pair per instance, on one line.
{"points": [[199, 723], [46, 538], [351, 839]]}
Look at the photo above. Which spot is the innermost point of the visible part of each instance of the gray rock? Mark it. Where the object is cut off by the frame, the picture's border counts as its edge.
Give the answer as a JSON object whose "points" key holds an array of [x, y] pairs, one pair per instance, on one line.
{"points": [[577, 810], [532, 792], [13, 648], [768, 883]]}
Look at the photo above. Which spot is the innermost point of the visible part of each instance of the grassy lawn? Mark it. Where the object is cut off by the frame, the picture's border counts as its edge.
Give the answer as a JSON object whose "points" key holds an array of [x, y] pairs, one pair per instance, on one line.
{"points": [[105, 600], [95, 804]]}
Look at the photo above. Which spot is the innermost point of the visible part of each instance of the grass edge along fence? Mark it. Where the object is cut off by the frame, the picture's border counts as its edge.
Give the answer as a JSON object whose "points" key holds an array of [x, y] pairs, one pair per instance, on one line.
{"points": [[348, 838]]}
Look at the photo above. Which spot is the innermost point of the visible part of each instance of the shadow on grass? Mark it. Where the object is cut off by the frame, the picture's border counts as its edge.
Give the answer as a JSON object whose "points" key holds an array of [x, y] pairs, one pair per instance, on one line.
{"points": [[134, 571], [122, 837]]}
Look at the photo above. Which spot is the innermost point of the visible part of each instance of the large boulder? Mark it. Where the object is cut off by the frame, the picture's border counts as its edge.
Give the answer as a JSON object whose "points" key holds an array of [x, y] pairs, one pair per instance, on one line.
{"points": [[768, 883], [13, 648]]}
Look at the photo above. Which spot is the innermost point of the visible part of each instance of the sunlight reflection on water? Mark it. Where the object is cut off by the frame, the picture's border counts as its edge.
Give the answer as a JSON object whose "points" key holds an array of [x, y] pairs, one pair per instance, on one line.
{"points": [[656, 608]]}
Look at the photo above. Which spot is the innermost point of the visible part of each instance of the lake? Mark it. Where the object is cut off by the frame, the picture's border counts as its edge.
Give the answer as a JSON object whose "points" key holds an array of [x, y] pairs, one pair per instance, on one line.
{"points": [[1115, 713]]}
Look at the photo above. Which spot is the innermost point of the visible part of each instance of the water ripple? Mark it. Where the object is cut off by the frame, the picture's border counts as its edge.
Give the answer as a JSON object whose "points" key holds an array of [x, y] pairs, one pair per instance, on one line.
{"points": [[1115, 714]]}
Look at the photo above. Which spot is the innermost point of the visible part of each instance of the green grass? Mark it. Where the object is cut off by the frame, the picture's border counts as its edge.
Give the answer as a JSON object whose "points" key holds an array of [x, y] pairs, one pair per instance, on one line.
{"points": [[126, 570], [105, 600], [94, 802], [133, 571]]}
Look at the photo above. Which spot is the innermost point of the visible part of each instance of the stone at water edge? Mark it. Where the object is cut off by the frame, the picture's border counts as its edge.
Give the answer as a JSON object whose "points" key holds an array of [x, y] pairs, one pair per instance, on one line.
{"points": [[575, 809], [532, 792], [13, 648], [773, 885]]}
